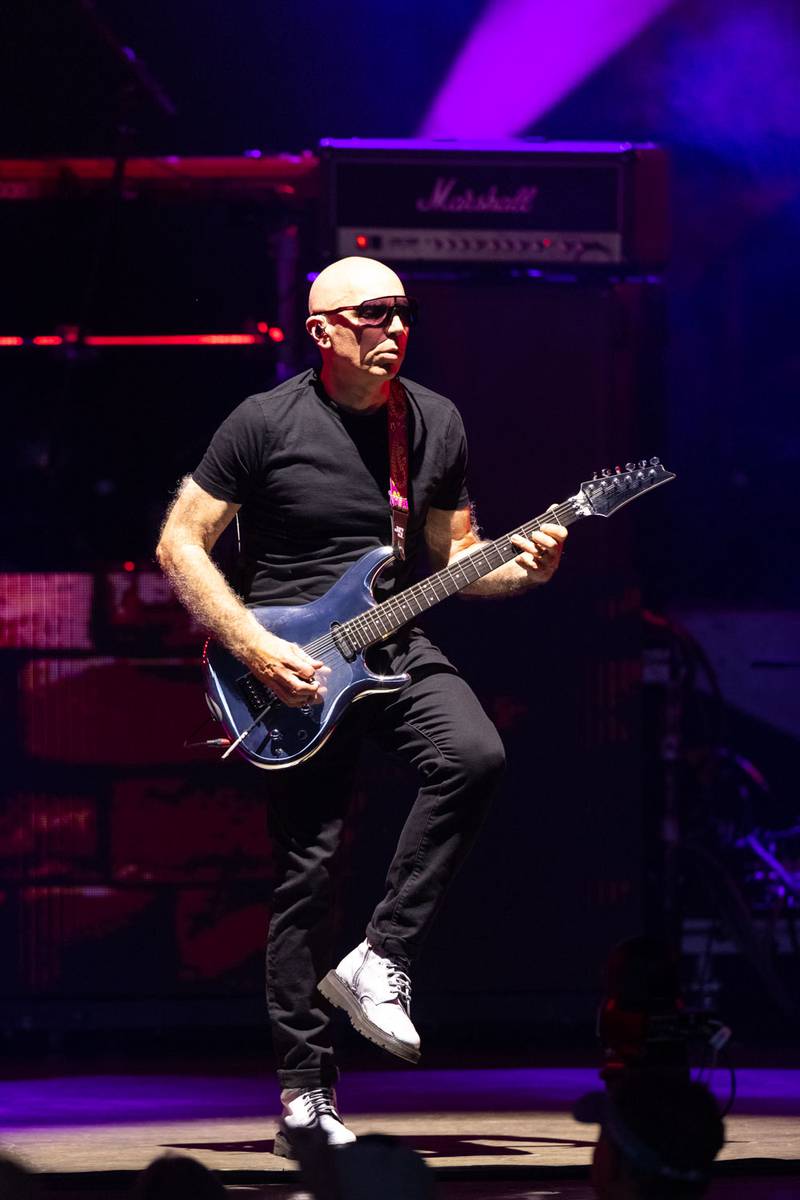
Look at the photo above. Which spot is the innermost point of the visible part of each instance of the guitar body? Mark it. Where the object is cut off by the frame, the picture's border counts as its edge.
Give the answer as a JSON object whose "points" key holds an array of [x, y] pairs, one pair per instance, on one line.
{"points": [[284, 736]]}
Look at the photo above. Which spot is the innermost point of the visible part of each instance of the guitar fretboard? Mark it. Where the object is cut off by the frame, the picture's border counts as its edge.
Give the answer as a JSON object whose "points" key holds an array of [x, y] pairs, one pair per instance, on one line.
{"points": [[385, 618]]}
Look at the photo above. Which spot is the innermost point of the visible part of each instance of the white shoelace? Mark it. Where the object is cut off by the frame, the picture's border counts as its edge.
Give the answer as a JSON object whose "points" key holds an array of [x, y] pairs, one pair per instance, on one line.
{"points": [[399, 984], [319, 1103]]}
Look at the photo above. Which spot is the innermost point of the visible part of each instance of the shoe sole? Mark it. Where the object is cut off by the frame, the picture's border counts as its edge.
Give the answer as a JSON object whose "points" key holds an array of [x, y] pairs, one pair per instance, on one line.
{"points": [[336, 992], [282, 1149]]}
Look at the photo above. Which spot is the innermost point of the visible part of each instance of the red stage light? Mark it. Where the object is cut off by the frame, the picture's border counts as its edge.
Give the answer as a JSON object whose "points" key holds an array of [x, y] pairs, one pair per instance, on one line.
{"points": [[153, 339], [228, 339], [128, 565], [362, 242], [173, 339]]}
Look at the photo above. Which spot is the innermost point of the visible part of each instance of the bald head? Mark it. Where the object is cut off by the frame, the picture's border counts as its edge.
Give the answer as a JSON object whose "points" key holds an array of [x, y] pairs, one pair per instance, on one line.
{"points": [[350, 281]]}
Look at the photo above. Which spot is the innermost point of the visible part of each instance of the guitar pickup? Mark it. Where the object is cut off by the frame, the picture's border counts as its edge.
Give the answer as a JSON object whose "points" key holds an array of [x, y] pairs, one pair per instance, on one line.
{"points": [[255, 694], [342, 642]]}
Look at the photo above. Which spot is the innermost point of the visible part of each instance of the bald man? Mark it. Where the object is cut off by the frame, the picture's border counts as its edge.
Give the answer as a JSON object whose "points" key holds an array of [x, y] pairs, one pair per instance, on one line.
{"points": [[306, 467]]}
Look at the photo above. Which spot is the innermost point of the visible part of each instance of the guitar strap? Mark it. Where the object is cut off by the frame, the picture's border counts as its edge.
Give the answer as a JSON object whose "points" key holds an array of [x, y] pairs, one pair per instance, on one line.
{"points": [[398, 466]]}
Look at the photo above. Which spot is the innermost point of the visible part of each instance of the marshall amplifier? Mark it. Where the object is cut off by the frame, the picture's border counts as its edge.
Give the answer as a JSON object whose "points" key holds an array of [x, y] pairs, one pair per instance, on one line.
{"points": [[515, 202]]}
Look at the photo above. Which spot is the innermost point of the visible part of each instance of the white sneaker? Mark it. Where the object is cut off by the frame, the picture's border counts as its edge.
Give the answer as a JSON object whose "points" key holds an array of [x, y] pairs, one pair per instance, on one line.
{"points": [[376, 995], [305, 1110]]}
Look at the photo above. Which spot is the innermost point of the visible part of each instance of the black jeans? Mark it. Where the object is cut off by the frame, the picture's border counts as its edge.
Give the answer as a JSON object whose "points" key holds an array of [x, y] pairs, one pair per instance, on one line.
{"points": [[434, 723]]}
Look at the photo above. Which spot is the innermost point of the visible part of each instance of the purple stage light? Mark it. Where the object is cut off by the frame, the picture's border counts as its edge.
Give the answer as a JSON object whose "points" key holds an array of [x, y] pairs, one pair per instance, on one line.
{"points": [[732, 86], [523, 56]]}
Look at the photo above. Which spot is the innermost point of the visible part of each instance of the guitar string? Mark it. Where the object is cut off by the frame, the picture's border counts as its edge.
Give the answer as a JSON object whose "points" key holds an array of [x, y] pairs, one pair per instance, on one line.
{"points": [[361, 623], [371, 617]]}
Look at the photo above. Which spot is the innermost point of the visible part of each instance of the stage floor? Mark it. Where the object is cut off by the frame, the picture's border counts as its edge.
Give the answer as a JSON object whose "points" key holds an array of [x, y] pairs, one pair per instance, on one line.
{"points": [[471, 1125]]}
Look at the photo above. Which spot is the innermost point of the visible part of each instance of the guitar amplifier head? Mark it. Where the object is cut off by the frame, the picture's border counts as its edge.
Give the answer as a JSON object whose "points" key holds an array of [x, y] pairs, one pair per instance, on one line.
{"points": [[523, 203]]}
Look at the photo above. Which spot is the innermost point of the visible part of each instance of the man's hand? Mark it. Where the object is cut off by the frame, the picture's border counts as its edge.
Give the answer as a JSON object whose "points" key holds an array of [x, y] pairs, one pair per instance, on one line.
{"points": [[541, 552], [451, 534], [286, 669]]}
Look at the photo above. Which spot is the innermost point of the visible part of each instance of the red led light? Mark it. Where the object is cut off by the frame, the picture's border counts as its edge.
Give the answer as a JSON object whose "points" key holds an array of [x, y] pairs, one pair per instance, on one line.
{"points": [[362, 242], [228, 339], [173, 339], [71, 335], [128, 565]]}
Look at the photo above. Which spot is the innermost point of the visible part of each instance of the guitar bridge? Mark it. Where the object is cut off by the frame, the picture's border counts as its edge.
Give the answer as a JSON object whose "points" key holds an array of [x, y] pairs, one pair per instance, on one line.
{"points": [[255, 694]]}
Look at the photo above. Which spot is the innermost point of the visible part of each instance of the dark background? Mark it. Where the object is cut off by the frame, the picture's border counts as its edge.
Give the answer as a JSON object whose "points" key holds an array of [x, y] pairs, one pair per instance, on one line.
{"points": [[135, 874]]}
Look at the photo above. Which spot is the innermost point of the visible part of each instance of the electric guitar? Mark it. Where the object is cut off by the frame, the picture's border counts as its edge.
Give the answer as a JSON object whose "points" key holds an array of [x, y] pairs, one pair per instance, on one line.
{"points": [[340, 626]]}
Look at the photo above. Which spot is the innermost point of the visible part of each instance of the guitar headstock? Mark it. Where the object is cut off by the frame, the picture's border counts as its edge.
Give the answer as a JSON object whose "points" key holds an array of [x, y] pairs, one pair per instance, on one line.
{"points": [[609, 490]]}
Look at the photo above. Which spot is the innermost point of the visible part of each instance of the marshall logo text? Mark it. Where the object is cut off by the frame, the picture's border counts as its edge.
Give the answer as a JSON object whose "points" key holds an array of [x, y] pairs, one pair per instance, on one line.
{"points": [[445, 198]]}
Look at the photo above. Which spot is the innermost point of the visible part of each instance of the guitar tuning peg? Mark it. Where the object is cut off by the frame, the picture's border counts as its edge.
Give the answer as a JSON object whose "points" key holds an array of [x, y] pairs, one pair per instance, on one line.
{"points": [[642, 463], [618, 470], [630, 466], [655, 462], [606, 472]]}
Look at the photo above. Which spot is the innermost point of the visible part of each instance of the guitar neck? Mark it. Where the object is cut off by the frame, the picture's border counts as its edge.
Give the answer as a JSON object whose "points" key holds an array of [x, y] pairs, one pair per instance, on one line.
{"points": [[386, 618]]}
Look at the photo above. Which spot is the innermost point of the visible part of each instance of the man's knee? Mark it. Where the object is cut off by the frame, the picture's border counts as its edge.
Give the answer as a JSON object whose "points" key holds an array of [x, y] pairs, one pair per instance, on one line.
{"points": [[483, 758]]}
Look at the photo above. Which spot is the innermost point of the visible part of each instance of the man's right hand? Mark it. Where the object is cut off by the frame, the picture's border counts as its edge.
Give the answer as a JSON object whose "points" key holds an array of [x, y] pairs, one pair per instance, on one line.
{"points": [[294, 677]]}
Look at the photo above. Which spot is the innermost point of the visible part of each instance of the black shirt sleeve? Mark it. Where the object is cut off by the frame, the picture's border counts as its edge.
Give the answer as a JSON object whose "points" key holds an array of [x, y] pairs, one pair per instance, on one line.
{"points": [[452, 493], [232, 462]]}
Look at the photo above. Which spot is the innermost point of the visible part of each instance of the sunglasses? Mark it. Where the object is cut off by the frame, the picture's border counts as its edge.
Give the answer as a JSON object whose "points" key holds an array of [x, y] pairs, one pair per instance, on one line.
{"points": [[379, 311]]}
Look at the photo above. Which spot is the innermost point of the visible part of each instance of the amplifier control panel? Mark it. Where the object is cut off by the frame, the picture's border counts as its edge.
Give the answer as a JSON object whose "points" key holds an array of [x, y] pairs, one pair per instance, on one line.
{"points": [[481, 245]]}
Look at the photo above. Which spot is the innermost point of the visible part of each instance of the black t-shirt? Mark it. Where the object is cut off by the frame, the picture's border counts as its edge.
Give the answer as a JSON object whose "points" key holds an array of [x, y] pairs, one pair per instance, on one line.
{"points": [[313, 481]]}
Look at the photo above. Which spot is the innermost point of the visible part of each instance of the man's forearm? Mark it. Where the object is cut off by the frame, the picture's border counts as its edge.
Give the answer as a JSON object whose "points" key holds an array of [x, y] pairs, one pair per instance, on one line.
{"points": [[205, 592], [509, 580]]}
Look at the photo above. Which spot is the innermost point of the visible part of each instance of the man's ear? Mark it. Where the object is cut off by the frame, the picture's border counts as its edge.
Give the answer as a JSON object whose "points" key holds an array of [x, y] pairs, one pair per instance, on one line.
{"points": [[316, 329]]}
